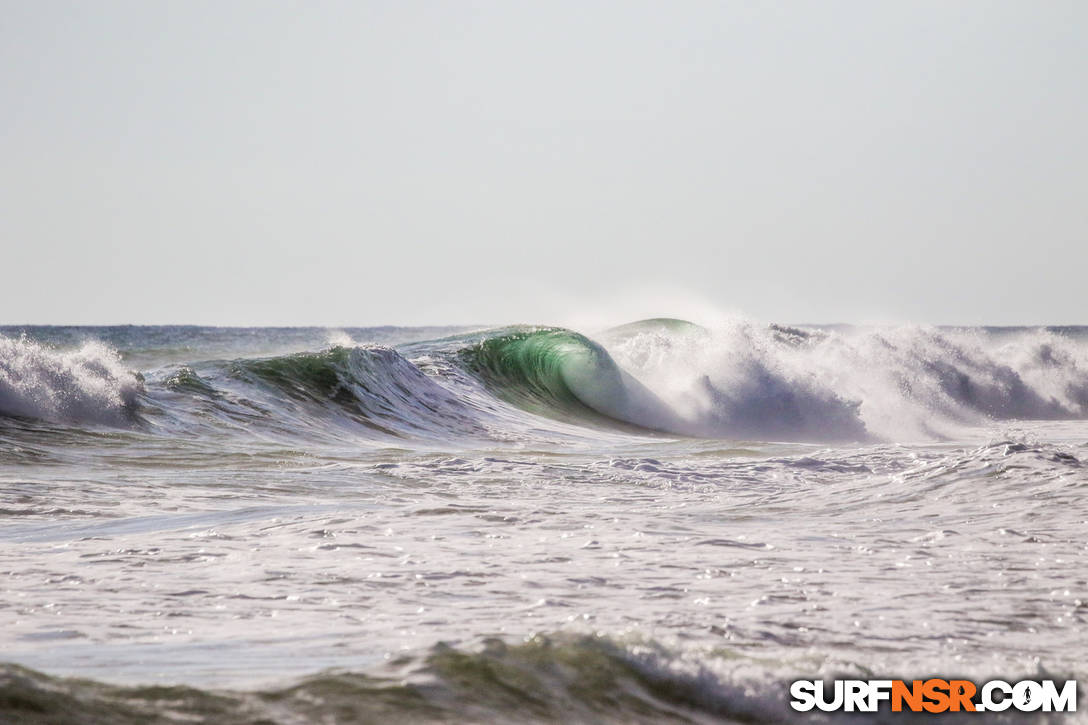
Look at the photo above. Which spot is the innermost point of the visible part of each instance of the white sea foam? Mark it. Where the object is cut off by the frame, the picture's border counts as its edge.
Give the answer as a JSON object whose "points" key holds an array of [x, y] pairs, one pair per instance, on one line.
{"points": [[86, 385], [897, 383]]}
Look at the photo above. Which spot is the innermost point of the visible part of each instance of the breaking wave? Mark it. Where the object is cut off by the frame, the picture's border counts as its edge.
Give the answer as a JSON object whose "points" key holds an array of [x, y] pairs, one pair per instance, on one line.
{"points": [[737, 381], [562, 374], [88, 384]]}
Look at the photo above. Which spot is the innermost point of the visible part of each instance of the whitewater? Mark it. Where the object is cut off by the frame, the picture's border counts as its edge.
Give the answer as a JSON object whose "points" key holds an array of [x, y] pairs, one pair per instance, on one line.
{"points": [[661, 521]]}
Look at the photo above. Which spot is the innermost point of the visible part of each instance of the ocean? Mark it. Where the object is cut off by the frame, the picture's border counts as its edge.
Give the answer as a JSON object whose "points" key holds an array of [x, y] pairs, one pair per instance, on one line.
{"points": [[656, 522]]}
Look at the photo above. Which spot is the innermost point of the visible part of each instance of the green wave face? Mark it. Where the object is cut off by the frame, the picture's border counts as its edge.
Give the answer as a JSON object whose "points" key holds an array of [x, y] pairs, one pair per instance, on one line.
{"points": [[561, 374], [529, 369], [316, 376]]}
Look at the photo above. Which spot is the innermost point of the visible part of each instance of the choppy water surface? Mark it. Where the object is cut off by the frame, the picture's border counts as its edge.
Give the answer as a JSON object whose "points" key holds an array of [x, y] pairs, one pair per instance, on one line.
{"points": [[657, 521]]}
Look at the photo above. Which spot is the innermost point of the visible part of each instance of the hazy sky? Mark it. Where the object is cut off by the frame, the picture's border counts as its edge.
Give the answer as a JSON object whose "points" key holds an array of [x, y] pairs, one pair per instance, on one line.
{"points": [[411, 162]]}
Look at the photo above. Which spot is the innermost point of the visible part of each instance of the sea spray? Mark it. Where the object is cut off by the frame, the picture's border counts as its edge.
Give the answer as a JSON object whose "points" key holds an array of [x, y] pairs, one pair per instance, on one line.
{"points": [[84, 385]]}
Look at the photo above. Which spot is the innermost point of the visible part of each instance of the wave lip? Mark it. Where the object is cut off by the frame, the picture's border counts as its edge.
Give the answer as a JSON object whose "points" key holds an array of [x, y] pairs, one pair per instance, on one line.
{"points": [[86, 385], [562, 374]]}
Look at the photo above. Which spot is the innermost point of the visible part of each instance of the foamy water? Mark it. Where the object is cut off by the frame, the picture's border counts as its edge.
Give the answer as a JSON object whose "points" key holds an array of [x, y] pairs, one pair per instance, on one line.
{"points": [[658, 521]]}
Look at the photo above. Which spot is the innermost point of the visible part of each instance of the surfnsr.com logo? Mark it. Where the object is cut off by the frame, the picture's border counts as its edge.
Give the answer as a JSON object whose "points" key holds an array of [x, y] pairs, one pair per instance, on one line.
{"points": [[934, 696]]}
